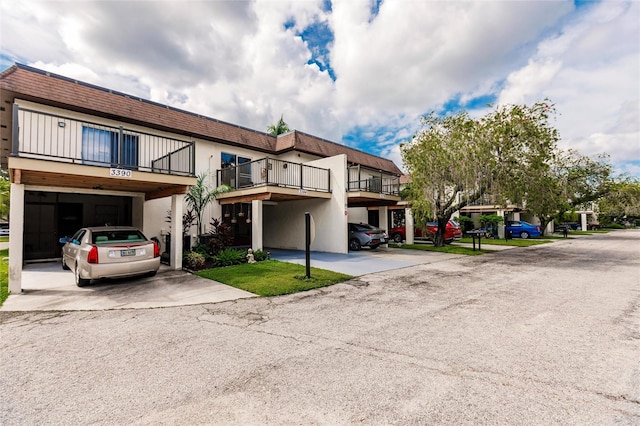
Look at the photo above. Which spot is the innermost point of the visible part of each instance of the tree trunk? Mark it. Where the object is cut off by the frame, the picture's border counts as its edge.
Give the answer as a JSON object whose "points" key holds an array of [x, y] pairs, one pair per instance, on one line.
{"points": [[438, 240]]}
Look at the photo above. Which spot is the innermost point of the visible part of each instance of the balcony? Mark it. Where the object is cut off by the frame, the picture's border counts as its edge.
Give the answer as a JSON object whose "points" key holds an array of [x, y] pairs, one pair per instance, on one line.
{"points": [[273, 179], [368, 187], [53, 150]]}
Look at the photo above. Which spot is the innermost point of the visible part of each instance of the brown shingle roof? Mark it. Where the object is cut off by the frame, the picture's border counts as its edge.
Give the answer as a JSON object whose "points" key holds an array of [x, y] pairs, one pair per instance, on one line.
{"points": [[51, 89]]}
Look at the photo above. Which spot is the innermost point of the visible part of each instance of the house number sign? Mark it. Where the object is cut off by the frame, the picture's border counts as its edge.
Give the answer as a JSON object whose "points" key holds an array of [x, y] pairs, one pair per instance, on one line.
{"points": [[120, 173]]}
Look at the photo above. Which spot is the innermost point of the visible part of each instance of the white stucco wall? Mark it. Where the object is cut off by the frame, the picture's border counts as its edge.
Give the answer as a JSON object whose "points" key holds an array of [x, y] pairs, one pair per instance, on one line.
{"points": [[284, 222], [358, 214]]}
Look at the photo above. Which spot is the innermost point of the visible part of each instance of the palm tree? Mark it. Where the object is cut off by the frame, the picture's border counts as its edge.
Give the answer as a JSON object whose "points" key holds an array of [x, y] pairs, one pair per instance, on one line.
{"points": [[279, 128], [200, 195]]}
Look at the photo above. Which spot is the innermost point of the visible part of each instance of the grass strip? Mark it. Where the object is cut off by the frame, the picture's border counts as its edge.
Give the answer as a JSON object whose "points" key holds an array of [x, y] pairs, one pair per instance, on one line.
{"points": [[450, 248], [272, 277], [4, 276]]}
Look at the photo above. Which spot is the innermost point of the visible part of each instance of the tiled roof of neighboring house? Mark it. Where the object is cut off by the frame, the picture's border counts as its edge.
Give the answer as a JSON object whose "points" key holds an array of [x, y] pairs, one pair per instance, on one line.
{"points": [[51, 89]]}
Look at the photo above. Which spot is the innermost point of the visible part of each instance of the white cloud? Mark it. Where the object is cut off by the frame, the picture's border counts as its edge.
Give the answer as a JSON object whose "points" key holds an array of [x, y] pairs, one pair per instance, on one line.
{"points": [[592, 72], [236, 61]]}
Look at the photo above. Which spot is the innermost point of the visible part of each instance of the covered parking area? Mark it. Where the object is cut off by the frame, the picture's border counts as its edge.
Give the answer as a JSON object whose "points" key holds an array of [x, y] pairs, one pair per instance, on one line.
{"points": [[48, 198]]}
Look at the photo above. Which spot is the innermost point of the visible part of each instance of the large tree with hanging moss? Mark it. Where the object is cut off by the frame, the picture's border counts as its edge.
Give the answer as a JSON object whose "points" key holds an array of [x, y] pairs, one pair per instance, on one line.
{"points": [[456, 160]]}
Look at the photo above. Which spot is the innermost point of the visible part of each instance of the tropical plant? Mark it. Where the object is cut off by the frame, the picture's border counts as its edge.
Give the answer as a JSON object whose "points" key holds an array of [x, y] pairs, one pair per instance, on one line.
{"points": [[200, 195], [219, 236], [194, 260], [278, 128], [260, 255], [229, 256], [188, 219]]}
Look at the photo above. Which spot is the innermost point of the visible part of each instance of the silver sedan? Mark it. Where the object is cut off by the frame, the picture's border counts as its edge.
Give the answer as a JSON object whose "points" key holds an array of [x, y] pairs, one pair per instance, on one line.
{"points": [[109, 252]]}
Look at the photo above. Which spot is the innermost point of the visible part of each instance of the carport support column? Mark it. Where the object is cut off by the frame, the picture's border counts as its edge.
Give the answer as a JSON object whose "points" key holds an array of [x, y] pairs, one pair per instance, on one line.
{"points": [[502, 225], [583, 221], [256, 224], [177, 203], [16, 232], [408, 225], [383, 218]]}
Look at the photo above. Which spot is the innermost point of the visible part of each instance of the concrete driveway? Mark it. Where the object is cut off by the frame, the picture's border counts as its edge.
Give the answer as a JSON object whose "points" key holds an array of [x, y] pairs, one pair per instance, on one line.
{"points": [[362, 262], [46, 287]]}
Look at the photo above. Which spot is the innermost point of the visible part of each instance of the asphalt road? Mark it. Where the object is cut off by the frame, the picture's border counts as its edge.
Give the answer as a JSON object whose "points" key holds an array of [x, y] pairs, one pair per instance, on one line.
{"points": [[540, 335]]}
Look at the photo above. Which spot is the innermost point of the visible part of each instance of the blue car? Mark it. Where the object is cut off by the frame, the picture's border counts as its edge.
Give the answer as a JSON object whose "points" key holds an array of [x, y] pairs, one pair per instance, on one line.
{"points": [[519, 228]]}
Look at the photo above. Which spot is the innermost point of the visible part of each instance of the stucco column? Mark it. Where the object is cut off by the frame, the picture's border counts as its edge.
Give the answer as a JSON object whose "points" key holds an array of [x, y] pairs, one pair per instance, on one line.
{"points": [[16, 237], [256, 224], [502, 225], [383, 218], [516, 215], [177, 206], [408, 223], [583, 221]]}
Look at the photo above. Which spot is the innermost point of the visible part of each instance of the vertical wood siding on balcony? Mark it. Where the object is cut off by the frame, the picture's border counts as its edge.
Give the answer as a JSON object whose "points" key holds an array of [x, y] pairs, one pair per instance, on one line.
{"points": [[55, 137]]}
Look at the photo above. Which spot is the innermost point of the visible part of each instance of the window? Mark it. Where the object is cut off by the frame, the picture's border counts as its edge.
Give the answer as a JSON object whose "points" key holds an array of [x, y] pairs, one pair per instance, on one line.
{"points": [[102, 147], [232, 174]]}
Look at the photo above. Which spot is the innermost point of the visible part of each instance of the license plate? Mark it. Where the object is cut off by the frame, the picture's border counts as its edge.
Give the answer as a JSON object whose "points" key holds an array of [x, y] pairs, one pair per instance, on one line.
{"points": [[131, 252]]}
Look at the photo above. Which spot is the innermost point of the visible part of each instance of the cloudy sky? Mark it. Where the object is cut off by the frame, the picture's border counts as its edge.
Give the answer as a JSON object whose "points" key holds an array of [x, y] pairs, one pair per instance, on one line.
{"points": [[358, 72]]}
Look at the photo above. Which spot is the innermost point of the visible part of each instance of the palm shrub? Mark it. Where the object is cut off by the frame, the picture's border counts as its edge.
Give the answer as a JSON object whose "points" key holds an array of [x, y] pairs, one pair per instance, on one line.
{"points": [[229, 256], [200, 195]]}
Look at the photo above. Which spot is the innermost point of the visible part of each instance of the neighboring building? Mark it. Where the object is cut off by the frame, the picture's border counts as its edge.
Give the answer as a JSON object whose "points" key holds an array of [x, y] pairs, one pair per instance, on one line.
{"points": [[81, 155]]}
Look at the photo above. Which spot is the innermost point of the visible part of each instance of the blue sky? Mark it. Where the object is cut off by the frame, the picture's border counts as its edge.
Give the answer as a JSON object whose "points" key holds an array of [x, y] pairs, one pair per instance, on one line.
{"points": [[356, 72]]}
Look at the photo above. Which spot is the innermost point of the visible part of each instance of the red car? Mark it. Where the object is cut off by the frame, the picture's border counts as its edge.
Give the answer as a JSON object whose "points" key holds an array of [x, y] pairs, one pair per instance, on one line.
{"points": [[451, 233]]}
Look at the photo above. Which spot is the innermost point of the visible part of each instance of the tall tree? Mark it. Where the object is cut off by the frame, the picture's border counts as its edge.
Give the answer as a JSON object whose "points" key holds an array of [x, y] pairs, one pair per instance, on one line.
{"points": [[622, 200], [200, 195], [571, 181], [279, 127], [456, 160]]}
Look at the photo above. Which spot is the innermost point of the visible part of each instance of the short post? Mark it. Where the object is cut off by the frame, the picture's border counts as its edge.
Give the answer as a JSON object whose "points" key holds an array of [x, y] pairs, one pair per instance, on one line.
{"points": [[307, 237]]}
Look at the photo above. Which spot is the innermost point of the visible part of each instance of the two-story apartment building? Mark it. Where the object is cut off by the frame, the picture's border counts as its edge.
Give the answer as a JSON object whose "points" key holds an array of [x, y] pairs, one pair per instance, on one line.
{"points": [[82, 155]]}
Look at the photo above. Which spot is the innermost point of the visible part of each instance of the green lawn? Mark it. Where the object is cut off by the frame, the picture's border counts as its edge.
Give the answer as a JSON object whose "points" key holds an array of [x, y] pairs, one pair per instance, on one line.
{"points": [[449, 248], [4, 239], [273, 278], [4, 276], [515, 242]]}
